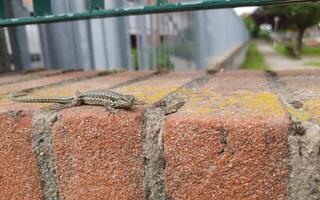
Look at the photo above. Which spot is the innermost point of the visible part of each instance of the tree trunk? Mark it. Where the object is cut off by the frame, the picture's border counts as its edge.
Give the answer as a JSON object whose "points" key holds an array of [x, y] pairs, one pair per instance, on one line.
{"points": [[4, 56], [300, 40]]}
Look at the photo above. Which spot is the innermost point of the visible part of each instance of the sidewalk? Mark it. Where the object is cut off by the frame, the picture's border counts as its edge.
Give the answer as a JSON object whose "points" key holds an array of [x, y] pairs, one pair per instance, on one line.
{"points": [[275, 61]]}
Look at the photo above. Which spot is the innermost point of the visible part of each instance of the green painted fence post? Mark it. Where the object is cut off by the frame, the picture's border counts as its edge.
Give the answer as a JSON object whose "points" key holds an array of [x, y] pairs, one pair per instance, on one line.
{"points": [[2, 10], [42, 7], [96, 4], [159, 2]]}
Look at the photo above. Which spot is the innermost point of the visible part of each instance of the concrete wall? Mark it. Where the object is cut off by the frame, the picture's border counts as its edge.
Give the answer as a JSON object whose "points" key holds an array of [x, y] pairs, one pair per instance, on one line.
{"points": [[218, 32]]}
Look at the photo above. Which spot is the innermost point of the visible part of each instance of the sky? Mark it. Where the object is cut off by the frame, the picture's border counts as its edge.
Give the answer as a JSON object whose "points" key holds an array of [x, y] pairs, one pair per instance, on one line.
{"points": [[244, 10]]}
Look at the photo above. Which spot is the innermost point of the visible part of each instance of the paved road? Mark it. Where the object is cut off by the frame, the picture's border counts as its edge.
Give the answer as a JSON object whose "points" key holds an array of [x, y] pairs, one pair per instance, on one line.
{"points": [[276, 61]]}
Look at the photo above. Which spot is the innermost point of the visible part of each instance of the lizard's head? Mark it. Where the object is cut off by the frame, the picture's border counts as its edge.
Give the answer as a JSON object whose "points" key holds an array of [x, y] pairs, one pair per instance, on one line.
{"points": [[128, 101]]}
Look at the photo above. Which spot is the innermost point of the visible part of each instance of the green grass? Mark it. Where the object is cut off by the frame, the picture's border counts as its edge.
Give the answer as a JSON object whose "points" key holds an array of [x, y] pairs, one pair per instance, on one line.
{"points": [[285, 50], [254, 59], [316, 64], [311, 51], [134, 55], [162, 59], [282, 49]]}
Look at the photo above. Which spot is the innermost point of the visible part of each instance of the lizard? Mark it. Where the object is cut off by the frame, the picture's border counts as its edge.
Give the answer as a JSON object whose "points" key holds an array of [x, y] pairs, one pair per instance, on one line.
{"points": [[110, 100]]}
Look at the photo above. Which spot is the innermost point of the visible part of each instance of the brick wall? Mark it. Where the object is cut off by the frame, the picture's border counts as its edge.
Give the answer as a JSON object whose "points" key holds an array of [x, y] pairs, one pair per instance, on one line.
{"points": [[239, 135]]}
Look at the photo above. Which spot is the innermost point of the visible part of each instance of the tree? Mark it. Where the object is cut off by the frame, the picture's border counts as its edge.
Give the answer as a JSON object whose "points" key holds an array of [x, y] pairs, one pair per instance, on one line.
{"points": [[251, 25], [299, 17]]}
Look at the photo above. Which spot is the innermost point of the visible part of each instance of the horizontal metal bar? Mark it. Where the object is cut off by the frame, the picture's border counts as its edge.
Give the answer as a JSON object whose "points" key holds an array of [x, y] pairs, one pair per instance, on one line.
{"points": [[148, 9]]}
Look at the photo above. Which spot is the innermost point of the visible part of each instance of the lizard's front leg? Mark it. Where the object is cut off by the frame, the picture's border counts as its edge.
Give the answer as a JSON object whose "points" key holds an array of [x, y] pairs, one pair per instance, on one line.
{"points": [[109, 107], [111, 110]]}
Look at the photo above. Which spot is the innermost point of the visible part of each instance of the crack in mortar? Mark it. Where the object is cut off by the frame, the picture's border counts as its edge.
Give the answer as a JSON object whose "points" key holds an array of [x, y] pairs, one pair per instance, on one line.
{"points": [[30, 90], [27, 79], [65, 82], [42, 122], [224, 140], [40, 77], [304, 147], [152, 138], [132, 81]]}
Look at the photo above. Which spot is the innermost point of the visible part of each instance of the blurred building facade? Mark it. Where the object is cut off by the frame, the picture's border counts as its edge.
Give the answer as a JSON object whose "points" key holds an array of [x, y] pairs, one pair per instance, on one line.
{"points": [[184, 40]]}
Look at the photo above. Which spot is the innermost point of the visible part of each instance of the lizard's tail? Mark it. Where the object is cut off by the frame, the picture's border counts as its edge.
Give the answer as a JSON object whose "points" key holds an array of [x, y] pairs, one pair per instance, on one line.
{"points": [[62, 100]]}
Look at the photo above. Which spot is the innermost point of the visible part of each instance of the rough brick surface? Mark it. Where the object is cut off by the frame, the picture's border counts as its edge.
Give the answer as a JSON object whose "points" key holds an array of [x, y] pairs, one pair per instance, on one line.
{"points": [[28, 76], [228, 142], [154, 89], [301, 92], [92, 146], [219, 159], [98, 83], [70, 89], [19, 173], [98, 155], [302, 86], [45, 81]]}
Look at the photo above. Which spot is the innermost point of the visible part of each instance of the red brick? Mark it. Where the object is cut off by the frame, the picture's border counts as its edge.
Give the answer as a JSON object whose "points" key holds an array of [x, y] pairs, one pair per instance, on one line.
{"points": [[302, 86], [98, 83], [158, 87], [103, 82], [252, 165], [19, 173], [98, 154], [45, 81], [228, 142], [19, 77]]}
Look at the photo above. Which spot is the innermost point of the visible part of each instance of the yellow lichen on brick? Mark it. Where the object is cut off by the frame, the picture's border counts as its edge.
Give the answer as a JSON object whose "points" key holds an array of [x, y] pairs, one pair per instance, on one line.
{"points": [[264, 103], [148, 94], [309, 111], [200, 101], [241, 102], [54, 91], [4, 99]]}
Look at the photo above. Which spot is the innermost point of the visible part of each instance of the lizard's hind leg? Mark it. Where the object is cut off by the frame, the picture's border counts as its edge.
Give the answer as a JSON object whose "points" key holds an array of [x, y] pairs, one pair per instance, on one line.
{"points": [[75, 102], [57, 106]]}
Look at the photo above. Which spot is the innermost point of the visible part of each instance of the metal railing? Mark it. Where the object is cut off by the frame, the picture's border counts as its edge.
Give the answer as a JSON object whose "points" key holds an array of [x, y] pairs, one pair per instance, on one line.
{"points": [[43, 12]]}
